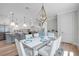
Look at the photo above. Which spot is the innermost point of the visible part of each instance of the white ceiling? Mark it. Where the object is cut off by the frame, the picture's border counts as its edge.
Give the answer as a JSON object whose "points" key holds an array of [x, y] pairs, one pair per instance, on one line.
{"points": [[34, 8]]}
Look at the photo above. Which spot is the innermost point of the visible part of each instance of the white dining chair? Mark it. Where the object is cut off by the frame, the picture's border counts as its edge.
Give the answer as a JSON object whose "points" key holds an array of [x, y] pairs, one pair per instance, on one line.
{"points": [[36, 35], [50, 34], [20, 48], [55, 46], [50, 50], [24, 50]]}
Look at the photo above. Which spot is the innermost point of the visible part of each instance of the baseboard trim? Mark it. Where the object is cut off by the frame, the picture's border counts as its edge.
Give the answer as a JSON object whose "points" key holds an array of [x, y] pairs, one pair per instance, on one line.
{"points": [[75, 44]]}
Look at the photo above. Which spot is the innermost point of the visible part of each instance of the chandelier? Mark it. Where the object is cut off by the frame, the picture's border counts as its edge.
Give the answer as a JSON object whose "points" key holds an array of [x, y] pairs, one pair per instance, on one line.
{"points": [[43, 16]]}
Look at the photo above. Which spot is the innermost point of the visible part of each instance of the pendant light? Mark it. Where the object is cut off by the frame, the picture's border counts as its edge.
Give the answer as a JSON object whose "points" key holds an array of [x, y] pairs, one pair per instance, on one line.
{"points": [[43, 19], [16, 25], [31, 21], [43, 16], [24, 24], [12, 22]]}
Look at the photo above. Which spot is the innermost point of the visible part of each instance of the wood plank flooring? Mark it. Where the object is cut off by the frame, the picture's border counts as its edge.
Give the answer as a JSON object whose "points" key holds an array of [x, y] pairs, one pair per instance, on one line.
{"points": [[70, 48], [10, 49], [7, 49]]}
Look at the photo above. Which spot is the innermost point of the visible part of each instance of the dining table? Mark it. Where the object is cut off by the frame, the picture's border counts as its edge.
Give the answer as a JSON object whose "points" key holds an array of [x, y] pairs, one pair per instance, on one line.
{"points": [[36, 43]]}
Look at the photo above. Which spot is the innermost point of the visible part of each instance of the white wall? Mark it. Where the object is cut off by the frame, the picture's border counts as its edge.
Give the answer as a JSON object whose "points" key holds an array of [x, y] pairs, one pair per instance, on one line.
{"points": [[75, 27], [78, 28], [52, 23], [69, 18]]}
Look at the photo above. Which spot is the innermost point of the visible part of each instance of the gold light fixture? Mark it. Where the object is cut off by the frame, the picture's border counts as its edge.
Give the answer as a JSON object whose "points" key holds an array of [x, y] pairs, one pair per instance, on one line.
{"points": [[43, 20], [43, 16]]}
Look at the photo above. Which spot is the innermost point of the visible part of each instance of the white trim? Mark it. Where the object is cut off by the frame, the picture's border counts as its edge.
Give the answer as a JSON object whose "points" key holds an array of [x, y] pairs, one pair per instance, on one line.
{"points": [[74, 43], [78, 28], [68, 11]]}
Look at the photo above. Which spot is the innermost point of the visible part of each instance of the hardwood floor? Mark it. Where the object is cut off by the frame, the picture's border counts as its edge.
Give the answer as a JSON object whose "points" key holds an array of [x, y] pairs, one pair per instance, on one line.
{"points": [[10, 49], [7, 49], [70, 48]]}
